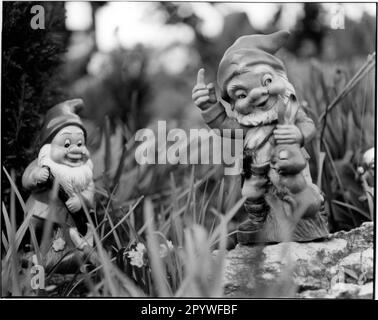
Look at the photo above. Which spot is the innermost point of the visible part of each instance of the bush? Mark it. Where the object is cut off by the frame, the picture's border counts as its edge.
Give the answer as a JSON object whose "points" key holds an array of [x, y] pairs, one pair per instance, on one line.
{"points": [[31, 59]]}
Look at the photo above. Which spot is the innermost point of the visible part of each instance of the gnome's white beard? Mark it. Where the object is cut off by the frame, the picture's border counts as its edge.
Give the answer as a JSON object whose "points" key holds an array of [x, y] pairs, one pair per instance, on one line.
{"points": [[72, 179], [265, 117]]}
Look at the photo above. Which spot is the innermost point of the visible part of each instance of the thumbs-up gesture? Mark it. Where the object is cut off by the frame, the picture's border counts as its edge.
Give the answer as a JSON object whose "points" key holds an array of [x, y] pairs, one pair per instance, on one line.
{"points": [[203, 95]]}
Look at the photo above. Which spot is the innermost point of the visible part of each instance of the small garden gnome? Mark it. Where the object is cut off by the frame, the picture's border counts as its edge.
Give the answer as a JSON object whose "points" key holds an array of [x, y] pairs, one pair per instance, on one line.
{"points": [[368, 166], [367, 177], [281, 197], [61, 185]]}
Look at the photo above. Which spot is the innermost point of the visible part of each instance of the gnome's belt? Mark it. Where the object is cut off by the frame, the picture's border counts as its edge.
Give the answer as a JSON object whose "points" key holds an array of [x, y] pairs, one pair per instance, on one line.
{"points": [[79, 218]]}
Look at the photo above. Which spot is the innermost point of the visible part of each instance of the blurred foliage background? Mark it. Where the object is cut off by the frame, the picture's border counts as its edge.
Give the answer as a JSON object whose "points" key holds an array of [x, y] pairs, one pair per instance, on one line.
{"points": [[132, 72]]}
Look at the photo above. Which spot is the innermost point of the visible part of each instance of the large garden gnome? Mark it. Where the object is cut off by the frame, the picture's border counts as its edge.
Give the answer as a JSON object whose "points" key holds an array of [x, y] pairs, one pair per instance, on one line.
{"points": [[282, 202], [61, 185]]}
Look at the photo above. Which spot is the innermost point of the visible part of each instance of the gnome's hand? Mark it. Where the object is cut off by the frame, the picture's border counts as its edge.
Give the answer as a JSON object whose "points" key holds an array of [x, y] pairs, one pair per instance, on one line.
{"points": [[203, 95], [288, 134], [73, 204], [41, 175]]}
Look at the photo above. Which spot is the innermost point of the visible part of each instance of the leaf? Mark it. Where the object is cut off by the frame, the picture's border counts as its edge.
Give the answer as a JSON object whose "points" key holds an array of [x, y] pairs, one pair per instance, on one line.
{"points": [[351, 273], [366, 215], [158, 272]]}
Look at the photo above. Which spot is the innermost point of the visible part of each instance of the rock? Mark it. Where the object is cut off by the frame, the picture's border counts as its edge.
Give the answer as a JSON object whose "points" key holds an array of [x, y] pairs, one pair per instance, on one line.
{"points": [[366, 291], [360, 263], [339, 267], [321, 293], [358, 238], [339, 291], [344, 290]]}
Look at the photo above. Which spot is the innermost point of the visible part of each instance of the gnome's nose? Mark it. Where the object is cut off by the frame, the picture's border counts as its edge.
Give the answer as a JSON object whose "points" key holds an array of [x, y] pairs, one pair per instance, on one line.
{"points": [[76, 150], [257, 94]]}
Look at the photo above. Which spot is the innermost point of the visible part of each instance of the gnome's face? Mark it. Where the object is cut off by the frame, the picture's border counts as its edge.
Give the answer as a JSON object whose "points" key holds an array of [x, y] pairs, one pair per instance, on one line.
{"points": [[68, 147], [255, 89]]}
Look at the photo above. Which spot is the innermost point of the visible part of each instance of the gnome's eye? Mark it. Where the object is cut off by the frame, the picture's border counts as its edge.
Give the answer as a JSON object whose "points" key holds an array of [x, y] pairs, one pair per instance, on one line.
{"points": [[267, 80], [67, 143], [80, 143], [240, 94]]}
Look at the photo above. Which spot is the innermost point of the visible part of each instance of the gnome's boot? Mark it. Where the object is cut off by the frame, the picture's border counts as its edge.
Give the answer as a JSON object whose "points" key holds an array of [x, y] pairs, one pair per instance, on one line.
{"points": [[254, 187], [257, 212]]}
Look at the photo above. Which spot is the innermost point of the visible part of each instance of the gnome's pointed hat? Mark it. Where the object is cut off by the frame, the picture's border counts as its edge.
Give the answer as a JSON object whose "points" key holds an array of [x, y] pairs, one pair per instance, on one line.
{"points": [[61, 115], [247, 51]]}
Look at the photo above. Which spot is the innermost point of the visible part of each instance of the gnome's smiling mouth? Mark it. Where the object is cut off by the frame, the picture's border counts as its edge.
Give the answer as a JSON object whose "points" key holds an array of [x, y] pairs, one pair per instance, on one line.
{"points": [[74, 158], [261, 102], [264, 103]]}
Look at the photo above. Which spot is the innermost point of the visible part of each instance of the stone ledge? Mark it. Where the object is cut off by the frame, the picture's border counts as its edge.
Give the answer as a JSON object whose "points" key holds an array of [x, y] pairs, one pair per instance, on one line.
{"points": [[338, 267]]}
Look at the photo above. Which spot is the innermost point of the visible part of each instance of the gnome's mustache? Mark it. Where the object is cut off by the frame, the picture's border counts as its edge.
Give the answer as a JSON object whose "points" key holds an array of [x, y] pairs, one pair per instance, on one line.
{"points": [[257, 117]]}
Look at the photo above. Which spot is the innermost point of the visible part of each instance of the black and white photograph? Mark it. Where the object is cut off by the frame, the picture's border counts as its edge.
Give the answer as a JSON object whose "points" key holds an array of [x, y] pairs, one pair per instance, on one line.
{"points": [[186, 150]]}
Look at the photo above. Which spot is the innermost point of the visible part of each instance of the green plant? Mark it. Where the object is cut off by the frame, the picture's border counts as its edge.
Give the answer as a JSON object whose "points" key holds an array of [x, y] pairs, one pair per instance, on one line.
{"points": [[30, 78], [187, 268], [343, 108]]}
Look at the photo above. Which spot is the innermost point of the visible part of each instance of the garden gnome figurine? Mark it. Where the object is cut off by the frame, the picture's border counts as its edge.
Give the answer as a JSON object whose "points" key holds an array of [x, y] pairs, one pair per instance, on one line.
{"points": [[367, 176], [368, 166], [61, 184], [281, 197]]}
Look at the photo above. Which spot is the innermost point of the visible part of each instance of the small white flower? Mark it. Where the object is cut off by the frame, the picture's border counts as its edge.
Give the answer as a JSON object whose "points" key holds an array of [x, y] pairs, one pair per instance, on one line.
{"points": [[170, 244], [58, 244], [140, 247], [164, 248], [136, 256]]}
